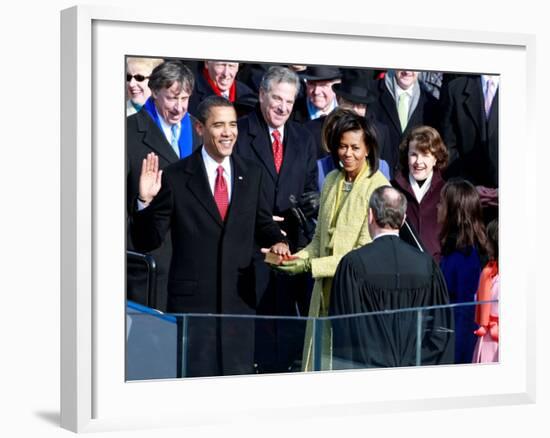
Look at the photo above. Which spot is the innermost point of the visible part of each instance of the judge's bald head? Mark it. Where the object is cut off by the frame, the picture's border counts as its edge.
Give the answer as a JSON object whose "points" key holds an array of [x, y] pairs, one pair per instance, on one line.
{"points": [[388, 207]]}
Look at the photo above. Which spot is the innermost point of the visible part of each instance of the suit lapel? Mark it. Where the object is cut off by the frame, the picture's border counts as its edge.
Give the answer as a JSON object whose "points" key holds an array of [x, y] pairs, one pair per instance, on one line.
{"points": [[473, 102], [493, 116], [291, 144], [239, 200], [154, 138], [389, 106], [261, 144], [198, 185]]}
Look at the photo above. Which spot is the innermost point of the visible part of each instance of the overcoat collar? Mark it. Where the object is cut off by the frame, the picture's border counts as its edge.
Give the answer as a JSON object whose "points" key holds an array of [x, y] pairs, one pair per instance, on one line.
{"points": [[154, 138], [261, 144], [198, 185]]}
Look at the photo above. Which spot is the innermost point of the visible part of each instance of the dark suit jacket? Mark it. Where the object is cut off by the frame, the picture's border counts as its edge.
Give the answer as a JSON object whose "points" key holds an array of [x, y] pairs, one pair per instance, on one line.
{"points": [[389, 274], [202, 90], [471, 138], [211, 269], [142, 137], [385, 111], [298, 172]]}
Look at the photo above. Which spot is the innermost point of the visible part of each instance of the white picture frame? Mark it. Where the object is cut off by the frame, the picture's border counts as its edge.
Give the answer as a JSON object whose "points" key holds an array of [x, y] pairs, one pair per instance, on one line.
{"points": [[94, 395]]}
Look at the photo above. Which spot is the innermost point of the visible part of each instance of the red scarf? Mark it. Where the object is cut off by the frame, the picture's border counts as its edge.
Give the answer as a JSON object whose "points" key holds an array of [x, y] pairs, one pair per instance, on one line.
{"points": [[232, 90]]}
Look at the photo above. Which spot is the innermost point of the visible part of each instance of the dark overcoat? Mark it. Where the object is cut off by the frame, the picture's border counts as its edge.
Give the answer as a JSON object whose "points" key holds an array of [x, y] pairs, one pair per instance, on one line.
{"points": [[142, 137], [470, 136], [211, 268]]}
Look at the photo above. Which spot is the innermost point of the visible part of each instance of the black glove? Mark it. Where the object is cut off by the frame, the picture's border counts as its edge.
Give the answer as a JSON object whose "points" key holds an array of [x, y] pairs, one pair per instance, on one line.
{"points": [[309, 204]]}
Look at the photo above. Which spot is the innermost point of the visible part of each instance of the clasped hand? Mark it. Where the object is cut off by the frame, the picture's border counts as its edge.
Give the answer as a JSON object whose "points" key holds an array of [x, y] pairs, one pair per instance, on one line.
{"points": [[294, 266]]}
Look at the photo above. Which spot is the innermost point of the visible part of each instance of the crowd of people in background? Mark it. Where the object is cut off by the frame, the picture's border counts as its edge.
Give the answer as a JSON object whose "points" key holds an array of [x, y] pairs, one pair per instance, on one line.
{"points": [[228, 161]]}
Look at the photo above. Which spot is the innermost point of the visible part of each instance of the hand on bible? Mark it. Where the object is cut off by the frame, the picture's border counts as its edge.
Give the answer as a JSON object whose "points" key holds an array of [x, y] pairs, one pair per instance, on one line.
{"points": [[293, 267], [149, 179]]}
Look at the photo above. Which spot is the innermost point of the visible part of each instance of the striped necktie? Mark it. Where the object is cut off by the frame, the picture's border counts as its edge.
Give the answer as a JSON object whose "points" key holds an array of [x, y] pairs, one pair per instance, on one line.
{"points": [[175, 129], [403, 110], [220, 193]]}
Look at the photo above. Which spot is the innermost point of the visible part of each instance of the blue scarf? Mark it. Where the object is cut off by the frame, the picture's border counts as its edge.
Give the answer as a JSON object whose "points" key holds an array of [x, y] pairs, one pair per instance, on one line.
{"points": [[185, 142]]}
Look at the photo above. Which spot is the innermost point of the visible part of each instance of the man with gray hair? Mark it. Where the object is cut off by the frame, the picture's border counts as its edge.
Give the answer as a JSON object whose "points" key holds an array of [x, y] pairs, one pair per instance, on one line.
{"points": [[286, 152], [387, 276]]}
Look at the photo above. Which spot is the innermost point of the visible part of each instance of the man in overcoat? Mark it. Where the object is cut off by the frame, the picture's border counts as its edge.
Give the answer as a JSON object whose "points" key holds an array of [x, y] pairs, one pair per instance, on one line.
{"points": [[286, 152], [213, 204], [163, 126]]}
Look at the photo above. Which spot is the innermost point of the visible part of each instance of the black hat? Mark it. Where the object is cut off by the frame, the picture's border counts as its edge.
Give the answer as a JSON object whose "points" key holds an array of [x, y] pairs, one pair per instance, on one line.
{"points": [[321, 73], [355, 87]]}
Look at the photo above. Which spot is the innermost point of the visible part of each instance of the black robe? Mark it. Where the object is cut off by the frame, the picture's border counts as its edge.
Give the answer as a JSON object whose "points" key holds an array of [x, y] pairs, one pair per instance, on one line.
{"points": [[389, 274]]}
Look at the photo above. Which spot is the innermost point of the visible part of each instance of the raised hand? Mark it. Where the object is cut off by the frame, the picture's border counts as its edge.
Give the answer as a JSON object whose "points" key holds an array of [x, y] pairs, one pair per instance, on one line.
{"points": [[149, 179]]}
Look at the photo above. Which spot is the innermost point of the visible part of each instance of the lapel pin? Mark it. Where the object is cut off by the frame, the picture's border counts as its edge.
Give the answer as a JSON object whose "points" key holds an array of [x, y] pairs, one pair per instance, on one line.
{"points": [[240, 177]]}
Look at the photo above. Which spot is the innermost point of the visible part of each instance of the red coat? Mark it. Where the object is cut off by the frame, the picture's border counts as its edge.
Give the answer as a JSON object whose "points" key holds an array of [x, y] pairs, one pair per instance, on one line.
{"points": [[423, 216]]}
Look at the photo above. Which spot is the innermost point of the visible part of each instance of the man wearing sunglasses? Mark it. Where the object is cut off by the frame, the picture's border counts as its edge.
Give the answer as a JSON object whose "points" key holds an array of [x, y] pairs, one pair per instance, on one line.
{"points": [[163, 126]]}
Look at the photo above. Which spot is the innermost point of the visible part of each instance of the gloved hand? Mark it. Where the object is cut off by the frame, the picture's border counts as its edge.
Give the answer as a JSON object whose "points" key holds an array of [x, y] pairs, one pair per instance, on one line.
{"points": [[309, 204], [293, 267]]}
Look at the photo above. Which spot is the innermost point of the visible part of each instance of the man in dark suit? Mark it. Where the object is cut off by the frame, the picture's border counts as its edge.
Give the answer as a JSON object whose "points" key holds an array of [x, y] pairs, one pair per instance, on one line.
{"points": [[213, 203], [162, 126], [319, 98], [389, 274], [401, 105], [218, 78], [469, 128], [286, 152]]}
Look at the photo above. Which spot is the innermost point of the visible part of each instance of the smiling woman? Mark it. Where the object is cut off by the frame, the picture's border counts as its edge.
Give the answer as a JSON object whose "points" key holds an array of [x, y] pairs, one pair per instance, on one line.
{"points": [[422, 158], [138, 71]]}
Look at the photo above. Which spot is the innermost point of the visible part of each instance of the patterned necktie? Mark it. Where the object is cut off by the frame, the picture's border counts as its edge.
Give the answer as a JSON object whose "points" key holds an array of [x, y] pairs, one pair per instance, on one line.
{"points": [[175, 137], [220, 193], [403, 110], [277, 150], [489, 95]]}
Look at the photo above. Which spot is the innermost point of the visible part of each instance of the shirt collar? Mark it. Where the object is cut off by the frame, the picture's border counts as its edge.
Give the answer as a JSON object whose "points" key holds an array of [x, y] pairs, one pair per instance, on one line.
{"points": [[212, 165], [281, 130], [315, 113], [387, 233]]}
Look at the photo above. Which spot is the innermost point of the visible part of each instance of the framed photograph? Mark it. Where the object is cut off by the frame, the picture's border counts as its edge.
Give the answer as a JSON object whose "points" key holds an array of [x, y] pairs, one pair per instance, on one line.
{"points": [[95, 394]]}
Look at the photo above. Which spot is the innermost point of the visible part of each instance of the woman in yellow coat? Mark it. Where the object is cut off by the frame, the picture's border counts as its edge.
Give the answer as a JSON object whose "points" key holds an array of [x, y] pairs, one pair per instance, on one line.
{"points": [[342, 223]]}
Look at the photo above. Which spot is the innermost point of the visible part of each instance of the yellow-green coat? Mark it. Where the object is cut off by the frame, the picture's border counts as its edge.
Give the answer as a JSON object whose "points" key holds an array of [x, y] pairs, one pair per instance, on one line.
{"points": [[330, 243]]}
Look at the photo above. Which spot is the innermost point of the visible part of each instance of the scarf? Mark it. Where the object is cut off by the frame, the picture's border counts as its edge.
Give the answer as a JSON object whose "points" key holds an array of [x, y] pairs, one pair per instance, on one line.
{"points": [[185, 142], [420, 191], [232, 90], [391, 85]]}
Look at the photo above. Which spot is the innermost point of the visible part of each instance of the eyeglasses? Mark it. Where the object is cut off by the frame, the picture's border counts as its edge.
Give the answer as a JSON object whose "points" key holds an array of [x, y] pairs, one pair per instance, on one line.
{"points": [[139, 78]]}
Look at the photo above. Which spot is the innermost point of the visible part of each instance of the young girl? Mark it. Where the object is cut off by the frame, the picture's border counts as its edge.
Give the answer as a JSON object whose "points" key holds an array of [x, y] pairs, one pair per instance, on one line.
{"points": [[486, 349], [463, 244]]}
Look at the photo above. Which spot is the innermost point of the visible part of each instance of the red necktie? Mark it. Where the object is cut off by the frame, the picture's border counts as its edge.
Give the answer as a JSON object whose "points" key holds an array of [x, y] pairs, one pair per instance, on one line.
{"points": [[277, 150], [220, 193]]}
